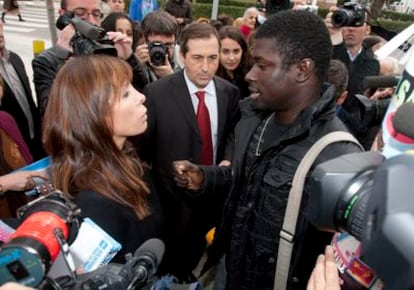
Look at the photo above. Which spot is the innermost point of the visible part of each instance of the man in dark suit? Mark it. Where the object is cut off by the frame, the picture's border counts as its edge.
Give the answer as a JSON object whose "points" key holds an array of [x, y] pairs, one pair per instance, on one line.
{"points": [[18, 100], [174, 133]]}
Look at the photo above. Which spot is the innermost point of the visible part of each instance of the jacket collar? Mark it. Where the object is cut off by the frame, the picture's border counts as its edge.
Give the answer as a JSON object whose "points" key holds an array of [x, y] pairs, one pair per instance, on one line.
{"points": [[323, 108]]}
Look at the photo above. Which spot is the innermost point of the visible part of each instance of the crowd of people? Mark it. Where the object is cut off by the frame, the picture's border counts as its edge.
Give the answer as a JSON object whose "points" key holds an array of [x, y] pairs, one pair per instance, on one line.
{"points": [[193, 125]]}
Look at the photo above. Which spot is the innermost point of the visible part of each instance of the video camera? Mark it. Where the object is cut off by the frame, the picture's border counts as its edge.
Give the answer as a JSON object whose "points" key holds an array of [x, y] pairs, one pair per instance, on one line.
{"points": [[372, 200], [49, 224], [349, 14], [89, 38], [157, 53]]}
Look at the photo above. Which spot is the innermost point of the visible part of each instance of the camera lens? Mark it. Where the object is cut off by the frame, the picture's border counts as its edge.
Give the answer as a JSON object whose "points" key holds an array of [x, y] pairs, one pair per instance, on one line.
{"points": [[157, 56], [352, 206], [342, 18]]}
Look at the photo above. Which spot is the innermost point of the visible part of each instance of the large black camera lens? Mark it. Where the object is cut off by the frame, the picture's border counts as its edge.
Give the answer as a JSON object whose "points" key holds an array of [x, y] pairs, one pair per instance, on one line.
{"points": [[157, 57], [340, 189], [349, 14], [342, 17], [351, 207], [157, 53]]}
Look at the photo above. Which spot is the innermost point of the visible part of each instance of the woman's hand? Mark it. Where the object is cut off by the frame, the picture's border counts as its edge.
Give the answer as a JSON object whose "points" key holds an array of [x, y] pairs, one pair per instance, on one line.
{"points": [[21, 180]]}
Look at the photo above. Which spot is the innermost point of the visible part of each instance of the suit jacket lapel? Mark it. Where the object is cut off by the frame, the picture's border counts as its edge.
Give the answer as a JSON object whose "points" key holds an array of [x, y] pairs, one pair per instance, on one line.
{"points": [[182, 98], [20, 72], [222, 103]]}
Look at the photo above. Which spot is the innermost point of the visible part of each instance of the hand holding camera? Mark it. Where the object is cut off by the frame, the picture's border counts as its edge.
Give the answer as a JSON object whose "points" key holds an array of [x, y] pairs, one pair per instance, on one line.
{"points": [[334, 32], [122, 43], [85, 38], [155, 54]]}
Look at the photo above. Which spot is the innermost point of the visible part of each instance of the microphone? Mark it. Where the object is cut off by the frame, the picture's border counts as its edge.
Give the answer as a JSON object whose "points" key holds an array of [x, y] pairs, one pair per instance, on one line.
{"points": [[403, 120], [145, 262], [398, 130], [133, 275], [374, 82]]}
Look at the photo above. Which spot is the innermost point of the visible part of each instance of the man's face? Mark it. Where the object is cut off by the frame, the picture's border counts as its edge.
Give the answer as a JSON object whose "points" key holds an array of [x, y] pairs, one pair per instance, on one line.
{"points": [[87, 10], [272, 88], [167, 40], [201, 60], [353, 36]]}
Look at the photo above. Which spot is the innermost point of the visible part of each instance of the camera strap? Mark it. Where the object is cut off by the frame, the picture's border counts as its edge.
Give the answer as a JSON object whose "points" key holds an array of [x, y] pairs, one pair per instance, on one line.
{"points": [[287, 234]]}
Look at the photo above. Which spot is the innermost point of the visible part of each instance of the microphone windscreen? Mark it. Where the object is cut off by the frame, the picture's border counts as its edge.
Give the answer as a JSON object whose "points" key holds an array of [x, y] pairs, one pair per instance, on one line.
{"points": [[154, 246], [403, 121], [373, 82]]}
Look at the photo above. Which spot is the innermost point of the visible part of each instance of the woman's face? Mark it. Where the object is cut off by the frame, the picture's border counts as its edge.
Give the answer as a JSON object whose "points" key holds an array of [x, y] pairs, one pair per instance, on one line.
{"points": [[124, 25], [116, 5], [129, 115], [230, 54], [250, 19]]}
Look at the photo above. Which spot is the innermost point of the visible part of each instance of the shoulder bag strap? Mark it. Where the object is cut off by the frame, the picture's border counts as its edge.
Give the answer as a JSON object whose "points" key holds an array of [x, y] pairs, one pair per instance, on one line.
{"points": [[287, 234]]}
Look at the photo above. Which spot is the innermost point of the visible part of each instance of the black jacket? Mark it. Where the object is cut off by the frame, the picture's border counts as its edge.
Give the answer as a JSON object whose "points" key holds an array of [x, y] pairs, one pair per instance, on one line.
{"points": [[356, 117], [173, 134], [120, 222], [255, 207], [10, 104]]}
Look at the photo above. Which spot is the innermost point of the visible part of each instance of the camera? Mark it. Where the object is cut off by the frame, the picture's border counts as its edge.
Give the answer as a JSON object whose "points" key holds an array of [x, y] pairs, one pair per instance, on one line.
{"points": [[157, 53], [371, 198], [89, 38], [48, 225], [48, 222], [349, 14]]}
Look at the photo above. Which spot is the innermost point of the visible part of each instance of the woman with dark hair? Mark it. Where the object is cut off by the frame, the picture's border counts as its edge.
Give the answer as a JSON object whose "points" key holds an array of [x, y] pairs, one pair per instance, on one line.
{"points": [[234, 58], [92, 110], [120, 22]]}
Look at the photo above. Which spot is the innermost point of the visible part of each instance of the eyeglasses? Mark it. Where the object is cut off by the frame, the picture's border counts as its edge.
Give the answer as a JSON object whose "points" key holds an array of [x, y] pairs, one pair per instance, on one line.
{"points": [[170, 45], [84, 14]]}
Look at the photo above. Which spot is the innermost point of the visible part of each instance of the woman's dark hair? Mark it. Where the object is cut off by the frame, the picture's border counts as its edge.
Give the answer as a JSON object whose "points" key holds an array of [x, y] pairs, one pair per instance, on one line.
{"points": [[78, 132], [109, 24], [244, 66]]}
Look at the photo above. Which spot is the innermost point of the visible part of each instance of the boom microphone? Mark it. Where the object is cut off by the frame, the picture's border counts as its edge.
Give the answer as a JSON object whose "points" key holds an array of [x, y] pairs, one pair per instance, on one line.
{"points": [[403, 120], [398, 130], [374, 82]]}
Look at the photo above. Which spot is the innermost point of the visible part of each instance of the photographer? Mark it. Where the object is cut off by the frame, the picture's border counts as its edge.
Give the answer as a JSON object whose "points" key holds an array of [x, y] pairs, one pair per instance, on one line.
{"points": [[347, 39], [157, 53], [46, 65]]}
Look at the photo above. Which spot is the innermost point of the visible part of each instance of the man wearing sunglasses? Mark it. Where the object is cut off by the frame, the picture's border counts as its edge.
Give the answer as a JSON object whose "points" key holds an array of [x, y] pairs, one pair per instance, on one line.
{"points": [[46, 65]]}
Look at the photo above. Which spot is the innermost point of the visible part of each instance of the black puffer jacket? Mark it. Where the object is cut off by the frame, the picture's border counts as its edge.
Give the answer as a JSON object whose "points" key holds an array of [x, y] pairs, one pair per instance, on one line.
{"points": [[256, 206]]}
